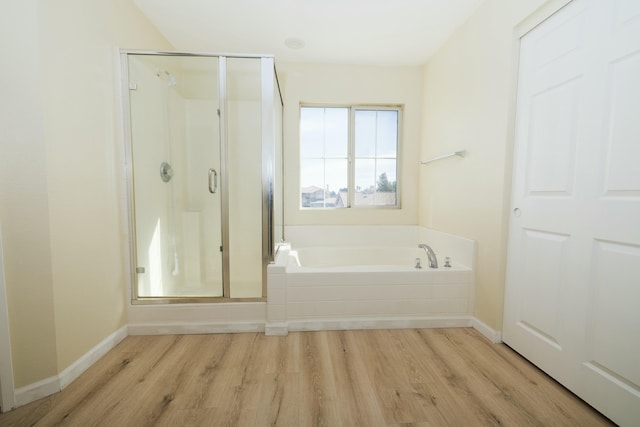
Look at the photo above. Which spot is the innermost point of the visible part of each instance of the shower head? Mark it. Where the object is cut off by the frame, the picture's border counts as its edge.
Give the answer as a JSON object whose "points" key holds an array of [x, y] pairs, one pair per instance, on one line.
{"points": [[171, 80]]}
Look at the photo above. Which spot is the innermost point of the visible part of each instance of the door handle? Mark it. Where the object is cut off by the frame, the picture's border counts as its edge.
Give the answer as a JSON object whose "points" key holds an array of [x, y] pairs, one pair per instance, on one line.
{"points": [[213, 184]]}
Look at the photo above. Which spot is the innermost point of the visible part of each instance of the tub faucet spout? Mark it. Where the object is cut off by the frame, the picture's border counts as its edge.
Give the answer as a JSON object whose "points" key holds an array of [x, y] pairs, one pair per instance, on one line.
{"points": [[433, 261]]}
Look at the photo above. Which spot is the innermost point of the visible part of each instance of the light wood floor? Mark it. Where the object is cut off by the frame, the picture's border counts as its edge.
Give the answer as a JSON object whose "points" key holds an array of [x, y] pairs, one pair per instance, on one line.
{"points": [[427, 377]]}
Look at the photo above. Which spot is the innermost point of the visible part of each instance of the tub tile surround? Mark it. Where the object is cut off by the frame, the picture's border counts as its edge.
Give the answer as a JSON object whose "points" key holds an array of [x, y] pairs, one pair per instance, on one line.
{"points": [[320, 299], [276, 319]]}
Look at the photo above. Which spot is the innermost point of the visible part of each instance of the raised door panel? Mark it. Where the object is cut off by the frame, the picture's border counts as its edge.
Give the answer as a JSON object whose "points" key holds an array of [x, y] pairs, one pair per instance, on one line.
{"points": [[623, 133], [544, 258], [613, 313], [552, 142]]}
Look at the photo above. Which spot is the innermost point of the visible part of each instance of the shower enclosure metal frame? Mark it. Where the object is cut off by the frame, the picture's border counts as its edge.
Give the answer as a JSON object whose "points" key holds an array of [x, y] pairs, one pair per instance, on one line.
{"points": [[270, 93]]}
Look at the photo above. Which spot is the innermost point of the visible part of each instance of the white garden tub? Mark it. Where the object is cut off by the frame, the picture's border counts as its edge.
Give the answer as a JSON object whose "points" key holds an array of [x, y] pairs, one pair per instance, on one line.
{"points": [[358, 277], [362, 258]]}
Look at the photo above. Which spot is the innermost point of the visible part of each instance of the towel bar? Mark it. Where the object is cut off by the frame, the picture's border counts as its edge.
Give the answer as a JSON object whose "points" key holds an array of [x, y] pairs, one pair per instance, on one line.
{"points": [[460, 153]]}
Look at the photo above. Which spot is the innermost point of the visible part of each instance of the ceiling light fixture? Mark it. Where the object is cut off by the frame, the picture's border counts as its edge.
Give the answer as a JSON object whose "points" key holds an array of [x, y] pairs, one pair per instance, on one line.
{"points": [[294, 43]]}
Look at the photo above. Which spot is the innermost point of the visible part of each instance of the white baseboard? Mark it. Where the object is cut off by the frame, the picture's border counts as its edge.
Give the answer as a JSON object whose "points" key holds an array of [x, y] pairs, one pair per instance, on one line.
{"points": [[54, 384], [491, 334], [194, 328], [32, 392], [379, 323], [74, 370], [346, 324], [276, 329]]}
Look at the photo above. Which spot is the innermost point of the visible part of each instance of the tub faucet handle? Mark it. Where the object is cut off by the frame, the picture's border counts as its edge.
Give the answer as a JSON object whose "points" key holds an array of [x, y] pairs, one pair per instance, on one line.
{"points": [[418, 263]]}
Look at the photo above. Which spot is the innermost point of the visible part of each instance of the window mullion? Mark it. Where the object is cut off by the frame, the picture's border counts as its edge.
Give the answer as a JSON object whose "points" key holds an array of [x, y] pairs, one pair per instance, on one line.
{"points": [[324, 159], [375, 160], [351, 158]]}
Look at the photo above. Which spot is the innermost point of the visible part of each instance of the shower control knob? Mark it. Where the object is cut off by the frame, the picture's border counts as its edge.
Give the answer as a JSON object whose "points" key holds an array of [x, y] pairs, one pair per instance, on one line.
{"points": [[166, 172]]}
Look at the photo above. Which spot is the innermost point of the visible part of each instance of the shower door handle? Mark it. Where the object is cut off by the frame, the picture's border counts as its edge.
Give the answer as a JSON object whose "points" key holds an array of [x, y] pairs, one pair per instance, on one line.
{"points": [[213, 184]]}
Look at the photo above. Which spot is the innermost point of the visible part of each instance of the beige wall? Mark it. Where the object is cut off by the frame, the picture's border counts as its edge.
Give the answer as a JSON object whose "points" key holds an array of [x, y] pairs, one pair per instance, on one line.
{"points": [[468, 95], [61, 201], [24, 206], [343, 84]]}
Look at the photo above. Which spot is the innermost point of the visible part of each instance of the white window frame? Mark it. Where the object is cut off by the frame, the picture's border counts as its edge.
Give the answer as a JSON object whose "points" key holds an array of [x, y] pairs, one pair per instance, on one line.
{"points": [[351, 154]]}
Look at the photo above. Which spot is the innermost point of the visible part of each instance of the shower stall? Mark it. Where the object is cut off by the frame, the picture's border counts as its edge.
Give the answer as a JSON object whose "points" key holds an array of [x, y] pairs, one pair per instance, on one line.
{"points": [[204, 169]]}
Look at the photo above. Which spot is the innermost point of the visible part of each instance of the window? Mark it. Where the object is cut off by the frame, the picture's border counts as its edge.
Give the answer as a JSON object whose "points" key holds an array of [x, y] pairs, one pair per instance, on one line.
{"points": [[349, 156]]}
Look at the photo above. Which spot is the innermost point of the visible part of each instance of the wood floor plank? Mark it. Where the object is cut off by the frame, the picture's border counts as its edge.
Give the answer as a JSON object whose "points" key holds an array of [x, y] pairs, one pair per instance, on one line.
{"points": [[434, 397], [197, 382], [421, 377], [238, 398], [279, 387], [319, 405], [396, 396], [358, 403]]}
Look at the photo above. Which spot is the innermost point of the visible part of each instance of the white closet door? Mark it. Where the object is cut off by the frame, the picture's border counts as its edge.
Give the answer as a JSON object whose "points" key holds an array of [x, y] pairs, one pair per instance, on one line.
{"points": [[572, 300]]}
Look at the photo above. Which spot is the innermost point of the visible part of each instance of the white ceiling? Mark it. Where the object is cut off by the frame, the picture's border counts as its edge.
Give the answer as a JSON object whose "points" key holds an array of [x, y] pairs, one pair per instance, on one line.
{"points": [[372, 32]]}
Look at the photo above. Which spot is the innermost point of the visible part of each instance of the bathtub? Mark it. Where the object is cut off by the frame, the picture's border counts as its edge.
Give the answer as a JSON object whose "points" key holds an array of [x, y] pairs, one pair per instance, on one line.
{"points": [[361, 259], [359, 277]]}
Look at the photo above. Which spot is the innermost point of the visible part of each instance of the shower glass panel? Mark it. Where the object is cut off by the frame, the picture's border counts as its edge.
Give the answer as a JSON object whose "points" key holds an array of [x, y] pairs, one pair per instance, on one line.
{"points": [[175, 169], [278, 175], [204, 157], [245, 167]]}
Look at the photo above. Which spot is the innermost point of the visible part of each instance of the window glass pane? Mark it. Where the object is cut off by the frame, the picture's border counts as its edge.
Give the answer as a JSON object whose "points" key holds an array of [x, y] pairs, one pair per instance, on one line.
{"points": [[312, 172], [365, 176], [321, 182], [311, 181], [336, 132], [365, 133], [336, 180], [388, 168], [387, 132], [311, 132], [324, 132], [376, 183], [386, 183], [386, 175]]}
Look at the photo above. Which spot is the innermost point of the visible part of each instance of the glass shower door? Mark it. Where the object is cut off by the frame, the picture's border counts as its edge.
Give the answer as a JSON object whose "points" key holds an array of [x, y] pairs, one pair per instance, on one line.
{"points": [[175, 161]]}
